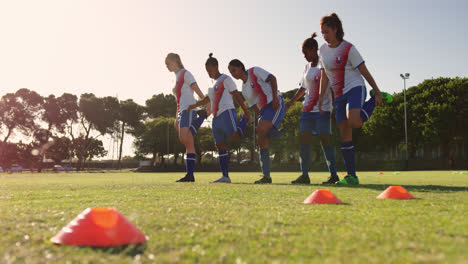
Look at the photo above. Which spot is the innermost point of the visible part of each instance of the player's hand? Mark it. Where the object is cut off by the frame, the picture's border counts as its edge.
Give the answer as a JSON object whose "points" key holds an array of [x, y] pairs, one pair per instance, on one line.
{"points": [[246, 116], [176, 124], [320, 106], [378, 98], [191, 107], [275, 103]]}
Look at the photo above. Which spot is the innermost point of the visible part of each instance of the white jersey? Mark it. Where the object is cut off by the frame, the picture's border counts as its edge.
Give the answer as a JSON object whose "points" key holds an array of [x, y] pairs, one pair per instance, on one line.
{"points": [[183, 89], [311, 83], [341, 66], [257, 91], [220, 95]]}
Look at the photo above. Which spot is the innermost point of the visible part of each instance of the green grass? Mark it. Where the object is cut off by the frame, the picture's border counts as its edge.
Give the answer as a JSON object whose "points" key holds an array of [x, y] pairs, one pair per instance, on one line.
{"points": [[241, 222]]}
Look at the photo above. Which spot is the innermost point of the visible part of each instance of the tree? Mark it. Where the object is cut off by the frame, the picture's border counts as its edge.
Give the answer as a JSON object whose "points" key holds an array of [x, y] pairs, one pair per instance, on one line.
{"points": [[130, 116], [161, 105], [60, 149], [18, 111], [204, 142]]}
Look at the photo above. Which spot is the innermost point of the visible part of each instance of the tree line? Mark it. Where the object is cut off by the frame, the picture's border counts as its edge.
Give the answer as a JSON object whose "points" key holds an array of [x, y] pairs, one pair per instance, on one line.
{"points": [[69, 126]]}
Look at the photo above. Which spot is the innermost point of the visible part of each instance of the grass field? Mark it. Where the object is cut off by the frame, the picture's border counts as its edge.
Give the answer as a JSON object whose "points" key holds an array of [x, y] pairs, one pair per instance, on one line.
{"points": [[240, 222]]}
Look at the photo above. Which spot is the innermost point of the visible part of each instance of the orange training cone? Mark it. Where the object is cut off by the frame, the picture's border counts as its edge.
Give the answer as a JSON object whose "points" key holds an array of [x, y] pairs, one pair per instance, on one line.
{"points": [[99, 227], [395, 192], [322, 197]]}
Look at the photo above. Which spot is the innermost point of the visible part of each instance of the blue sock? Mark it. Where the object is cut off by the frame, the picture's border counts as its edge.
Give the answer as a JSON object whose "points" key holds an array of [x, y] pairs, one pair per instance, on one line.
{"points": [[241, 126], [223, 160], [367, 109], [273, 133], [349, 157], [304, 153], [265, 162], [196, 124], [329, 153], [190, 163]]}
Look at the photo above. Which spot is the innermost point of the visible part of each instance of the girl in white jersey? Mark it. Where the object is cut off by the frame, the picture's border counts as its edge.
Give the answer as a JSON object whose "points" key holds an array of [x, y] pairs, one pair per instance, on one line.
{"points": [[312, 121], [260, 90], [224, 124], [186, 122], [343, 67]]}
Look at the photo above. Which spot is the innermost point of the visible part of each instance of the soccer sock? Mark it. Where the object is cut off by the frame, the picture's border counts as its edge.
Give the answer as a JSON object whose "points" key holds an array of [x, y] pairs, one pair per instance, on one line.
{"points": [[273, 133], [304, 153], [241, 126], [265, 162], [190, 163], [349, 157], [367, 109], [196, 124], [223, 160], [329, 153]]}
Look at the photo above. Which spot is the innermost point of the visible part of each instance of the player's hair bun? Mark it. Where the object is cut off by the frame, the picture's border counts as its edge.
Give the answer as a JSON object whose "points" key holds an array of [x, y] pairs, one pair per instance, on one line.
{"points": [[210, 55], [313, 35]]}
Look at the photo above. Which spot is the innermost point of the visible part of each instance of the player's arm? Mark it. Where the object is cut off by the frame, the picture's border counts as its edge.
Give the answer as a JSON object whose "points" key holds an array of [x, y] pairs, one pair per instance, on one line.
{"points": [[204, 101], [323, 87], [240, 101], [296, 97], [274, 88], [365, 72]]}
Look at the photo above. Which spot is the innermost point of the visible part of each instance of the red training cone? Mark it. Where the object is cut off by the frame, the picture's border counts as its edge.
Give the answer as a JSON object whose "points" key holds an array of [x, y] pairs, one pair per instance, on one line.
{"points": [[395, 192], [322, 197], [99, 227]]}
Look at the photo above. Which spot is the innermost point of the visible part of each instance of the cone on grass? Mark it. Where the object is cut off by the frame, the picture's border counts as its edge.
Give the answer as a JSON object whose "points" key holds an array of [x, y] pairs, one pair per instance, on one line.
{"points": [[99, 227], [395, 192], [322, 197]]}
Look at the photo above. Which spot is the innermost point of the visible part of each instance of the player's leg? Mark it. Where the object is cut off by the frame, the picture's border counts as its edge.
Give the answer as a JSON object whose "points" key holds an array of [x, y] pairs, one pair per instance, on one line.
{"points": [[323, 129], [186, 138]]}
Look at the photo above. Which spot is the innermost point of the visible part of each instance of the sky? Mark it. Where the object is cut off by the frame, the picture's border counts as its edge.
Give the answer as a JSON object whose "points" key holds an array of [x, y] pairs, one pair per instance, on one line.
{"points": [[117, 48]]}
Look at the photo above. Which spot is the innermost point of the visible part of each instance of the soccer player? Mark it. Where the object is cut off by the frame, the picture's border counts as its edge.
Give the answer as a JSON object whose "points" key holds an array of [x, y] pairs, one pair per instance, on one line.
{"points": [[312, 121], [260, 89], [224, 124], [343, 67], [186, 122]]}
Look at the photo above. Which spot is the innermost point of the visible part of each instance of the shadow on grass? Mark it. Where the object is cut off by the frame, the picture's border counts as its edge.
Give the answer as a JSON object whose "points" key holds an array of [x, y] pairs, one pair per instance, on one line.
{"points": [[378, 187], [129, 250]]}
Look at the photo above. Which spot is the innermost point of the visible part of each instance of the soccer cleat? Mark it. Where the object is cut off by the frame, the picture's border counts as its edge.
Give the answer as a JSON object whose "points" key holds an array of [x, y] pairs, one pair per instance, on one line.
{"points": [[385, 96], [303, 179], [187, 178], [332, 180], [223, 180], [263, 180], [348, 180]]}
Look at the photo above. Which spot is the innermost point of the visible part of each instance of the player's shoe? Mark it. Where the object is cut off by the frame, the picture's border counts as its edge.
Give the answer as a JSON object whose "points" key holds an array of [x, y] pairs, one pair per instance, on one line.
{"points": [[303, 179], [349, 180], [263, 180], [223, 180], [332, 180], [386, 97], [187, 178]]}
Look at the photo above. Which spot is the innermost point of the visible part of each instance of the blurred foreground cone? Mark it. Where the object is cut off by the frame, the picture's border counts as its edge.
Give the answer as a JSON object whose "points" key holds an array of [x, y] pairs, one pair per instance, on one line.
{"points": [[395, 192], [99, 227], [322, 197]]}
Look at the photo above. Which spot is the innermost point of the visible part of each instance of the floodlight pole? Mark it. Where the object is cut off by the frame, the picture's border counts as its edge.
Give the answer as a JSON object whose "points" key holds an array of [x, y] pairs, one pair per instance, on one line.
{"points": [[405, 77]]}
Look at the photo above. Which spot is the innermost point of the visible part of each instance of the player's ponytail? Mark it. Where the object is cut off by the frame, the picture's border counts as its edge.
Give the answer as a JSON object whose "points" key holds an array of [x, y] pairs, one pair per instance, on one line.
{"points": [[334, 22], [310, 43], [175, 57], [237, 63], [212, 61]]}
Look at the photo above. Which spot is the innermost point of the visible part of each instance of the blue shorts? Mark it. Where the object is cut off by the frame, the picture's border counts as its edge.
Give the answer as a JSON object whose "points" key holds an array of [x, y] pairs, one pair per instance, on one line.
{"points": [[353, 99], [224, 125], [269, 114], [317, 123], [185, 118]]}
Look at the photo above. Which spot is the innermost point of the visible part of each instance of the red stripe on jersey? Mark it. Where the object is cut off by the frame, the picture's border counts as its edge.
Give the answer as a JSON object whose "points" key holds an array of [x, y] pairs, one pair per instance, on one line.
{"points": [[257, 89], [218, 94], [178, 87], [341, 60], [314, 93]]}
